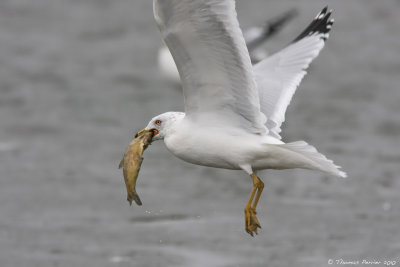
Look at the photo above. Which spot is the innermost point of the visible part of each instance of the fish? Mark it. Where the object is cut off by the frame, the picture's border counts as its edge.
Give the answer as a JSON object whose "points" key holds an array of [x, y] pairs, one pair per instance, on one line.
{"points": [[132, 161]]}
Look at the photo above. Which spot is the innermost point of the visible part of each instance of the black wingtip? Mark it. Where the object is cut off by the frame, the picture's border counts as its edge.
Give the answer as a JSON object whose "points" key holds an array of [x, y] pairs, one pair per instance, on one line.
{"points": [[272, 26], [324, 9], [320, 25]]}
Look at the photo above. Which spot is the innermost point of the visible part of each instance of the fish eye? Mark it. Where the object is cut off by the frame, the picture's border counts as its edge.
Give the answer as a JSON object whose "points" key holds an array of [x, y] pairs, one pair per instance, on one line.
{"points": [[158, 122]]}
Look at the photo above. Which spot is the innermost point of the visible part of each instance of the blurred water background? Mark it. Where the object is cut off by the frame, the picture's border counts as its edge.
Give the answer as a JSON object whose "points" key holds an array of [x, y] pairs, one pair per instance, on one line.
{"points": [[79, 77]]}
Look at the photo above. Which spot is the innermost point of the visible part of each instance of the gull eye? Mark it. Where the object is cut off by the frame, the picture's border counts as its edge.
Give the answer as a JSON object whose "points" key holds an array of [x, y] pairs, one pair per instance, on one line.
{"points": [[158, 122]]}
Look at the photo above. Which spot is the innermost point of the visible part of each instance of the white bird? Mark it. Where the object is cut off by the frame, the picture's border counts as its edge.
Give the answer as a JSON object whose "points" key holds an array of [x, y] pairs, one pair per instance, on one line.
{"points": [[254, 38], [234, 111]]}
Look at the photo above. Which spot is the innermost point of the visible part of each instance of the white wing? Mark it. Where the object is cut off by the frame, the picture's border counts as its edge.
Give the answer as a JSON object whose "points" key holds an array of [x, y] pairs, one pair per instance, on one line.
{"points": [[213, 62], [279, 75]]}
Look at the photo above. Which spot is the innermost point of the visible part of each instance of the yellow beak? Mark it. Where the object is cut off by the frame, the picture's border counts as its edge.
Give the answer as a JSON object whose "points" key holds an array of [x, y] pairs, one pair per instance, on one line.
{"points": [[140, 132]]}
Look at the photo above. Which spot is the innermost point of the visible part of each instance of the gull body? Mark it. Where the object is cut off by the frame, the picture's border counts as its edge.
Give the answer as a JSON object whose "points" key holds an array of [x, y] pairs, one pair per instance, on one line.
{"points": [[233, 110], [228, 149], [231, 147], [234, 151]]}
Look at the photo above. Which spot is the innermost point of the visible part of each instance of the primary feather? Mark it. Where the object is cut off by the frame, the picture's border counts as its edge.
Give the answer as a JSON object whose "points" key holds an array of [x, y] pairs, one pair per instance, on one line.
{"points": [[279, 75]]}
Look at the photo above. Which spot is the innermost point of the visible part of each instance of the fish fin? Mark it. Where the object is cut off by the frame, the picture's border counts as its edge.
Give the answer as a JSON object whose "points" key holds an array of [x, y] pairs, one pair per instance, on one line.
{"points": [[129, 200], [121, 164], [135, 197], [137, 200]]}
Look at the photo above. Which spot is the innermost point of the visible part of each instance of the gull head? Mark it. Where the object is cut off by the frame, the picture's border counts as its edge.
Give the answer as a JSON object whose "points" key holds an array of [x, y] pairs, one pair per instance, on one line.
{"points": [[163, 124]]}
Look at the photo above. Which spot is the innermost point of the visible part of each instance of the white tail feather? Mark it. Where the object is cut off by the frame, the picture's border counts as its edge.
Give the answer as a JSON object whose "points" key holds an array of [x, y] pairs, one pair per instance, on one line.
{"points": [[321, 162]]}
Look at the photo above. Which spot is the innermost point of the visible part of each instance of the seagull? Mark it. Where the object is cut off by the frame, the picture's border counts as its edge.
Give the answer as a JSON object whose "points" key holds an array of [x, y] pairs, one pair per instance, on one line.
{"points": [[254, 38], [233, 110]]}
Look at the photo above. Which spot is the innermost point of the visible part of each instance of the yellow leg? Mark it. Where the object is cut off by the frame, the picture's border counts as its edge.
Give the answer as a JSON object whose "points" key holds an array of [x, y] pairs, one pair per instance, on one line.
{"points": [[260, 188], [251, 221]]}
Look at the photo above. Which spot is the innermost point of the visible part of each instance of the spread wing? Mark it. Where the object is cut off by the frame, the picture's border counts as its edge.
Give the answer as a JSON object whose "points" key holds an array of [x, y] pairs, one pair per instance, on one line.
{"points": [[213, 62], [279, 75]]}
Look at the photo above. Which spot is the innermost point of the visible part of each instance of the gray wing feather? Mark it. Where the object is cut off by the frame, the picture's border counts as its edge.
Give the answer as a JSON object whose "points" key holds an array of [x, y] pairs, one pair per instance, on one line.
{"points": [[212, 59], [279, 75]]}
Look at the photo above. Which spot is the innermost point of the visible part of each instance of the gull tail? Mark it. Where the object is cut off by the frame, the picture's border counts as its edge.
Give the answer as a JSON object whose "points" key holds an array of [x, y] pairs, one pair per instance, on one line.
{"points": [[318, 161]]}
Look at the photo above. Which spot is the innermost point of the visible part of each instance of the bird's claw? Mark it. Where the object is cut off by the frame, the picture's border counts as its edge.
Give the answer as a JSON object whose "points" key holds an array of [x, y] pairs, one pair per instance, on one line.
{"points": [[251, 221]]}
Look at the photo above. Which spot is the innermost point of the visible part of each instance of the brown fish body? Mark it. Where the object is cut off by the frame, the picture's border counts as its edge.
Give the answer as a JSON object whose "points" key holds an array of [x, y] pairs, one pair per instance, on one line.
{"points": [[131, 163]]}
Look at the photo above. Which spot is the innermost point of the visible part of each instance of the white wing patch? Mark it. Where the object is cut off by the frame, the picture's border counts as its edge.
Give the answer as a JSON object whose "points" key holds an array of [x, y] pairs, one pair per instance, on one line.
{"points": [[279, 75]]}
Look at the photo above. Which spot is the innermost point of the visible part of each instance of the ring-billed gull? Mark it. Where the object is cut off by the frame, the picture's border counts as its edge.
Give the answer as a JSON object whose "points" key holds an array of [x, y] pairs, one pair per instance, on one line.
{"points": [[234, 111], [254, 38]]}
